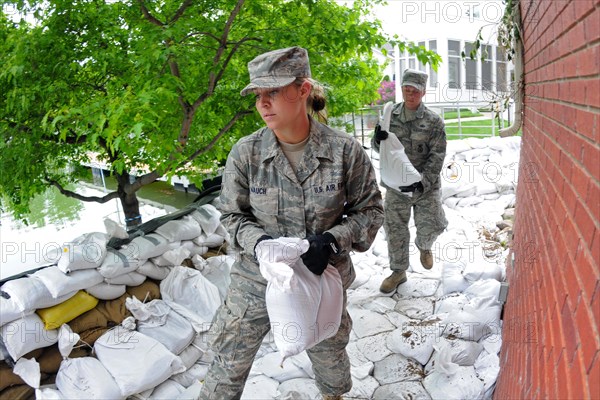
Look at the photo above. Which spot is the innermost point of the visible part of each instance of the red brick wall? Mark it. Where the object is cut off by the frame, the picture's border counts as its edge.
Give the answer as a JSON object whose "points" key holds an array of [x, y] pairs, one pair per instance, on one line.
{"points": [[551, 335]]}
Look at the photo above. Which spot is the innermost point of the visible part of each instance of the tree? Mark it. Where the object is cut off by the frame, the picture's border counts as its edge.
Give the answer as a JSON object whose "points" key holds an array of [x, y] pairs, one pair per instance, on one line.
{"points": [[150, 87]]}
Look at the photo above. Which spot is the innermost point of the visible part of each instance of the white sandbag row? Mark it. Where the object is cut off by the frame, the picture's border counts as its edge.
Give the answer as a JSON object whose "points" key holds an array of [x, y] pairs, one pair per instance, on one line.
{"points": [[480, 170], [171, 327]]}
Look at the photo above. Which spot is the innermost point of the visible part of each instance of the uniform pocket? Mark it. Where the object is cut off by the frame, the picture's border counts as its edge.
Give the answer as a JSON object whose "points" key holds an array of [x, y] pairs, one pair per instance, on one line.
{"points": [[265, 206], [225, 331]]}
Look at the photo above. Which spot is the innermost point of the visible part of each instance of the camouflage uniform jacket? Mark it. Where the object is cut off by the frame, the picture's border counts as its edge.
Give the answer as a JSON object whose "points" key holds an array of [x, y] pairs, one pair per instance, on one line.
{"points": [[424, 140], [334, 190]]}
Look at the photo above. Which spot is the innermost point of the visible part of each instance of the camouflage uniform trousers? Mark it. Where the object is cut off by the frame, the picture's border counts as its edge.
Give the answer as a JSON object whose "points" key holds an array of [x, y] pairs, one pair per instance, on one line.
{"points": [[430, 222], [237, 333]]}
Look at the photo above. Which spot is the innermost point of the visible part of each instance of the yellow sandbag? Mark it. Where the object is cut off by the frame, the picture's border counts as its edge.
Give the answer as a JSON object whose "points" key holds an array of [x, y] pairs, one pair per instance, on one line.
{"points": [[64, 312]]}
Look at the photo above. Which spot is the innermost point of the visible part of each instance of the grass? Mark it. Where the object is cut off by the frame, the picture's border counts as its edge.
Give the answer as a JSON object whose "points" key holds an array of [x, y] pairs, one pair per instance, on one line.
{"points": [[480, 128], [464, 113]]}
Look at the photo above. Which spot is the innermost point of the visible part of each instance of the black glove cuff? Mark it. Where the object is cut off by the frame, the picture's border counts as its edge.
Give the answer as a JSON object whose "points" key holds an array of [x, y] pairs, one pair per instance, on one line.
{"points": [[332, 243], [260, 239]]}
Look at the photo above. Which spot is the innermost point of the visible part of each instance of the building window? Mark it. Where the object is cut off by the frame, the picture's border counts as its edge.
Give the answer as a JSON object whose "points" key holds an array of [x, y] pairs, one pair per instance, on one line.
{"points": [[501, 68], [470, 67], [454, 61], [433, 78], [486, 68]]}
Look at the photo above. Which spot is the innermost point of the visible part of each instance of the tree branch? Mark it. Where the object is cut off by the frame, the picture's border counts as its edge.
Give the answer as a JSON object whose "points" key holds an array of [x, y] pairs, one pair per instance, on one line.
{"points": [[181, 10], [69, 193], [223, 44], [214, 140], [151, 18]]}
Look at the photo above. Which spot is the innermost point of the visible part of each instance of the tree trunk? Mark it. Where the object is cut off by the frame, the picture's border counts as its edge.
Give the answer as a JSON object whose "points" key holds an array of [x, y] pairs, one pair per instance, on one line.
{"points": [[129, 201]]}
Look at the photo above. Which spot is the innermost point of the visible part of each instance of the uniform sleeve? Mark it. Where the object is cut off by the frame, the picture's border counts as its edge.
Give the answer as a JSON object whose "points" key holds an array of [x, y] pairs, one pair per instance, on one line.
{"points": [[236, 213], [364, 207], [433, 165]]}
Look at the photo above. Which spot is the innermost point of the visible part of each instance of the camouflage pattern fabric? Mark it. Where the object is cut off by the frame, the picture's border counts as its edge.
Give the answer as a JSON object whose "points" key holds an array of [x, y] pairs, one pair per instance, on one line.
{"points": [[429, 220], [424, 139], [333, 190], [237, 334]]}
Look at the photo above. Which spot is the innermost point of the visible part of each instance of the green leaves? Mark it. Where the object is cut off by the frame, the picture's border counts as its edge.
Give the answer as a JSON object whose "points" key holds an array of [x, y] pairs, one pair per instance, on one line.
{"points": [[153, 86]]}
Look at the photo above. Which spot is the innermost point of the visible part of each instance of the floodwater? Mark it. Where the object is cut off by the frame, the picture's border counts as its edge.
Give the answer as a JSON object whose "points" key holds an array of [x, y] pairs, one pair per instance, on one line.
{"points": [[56, 219]]}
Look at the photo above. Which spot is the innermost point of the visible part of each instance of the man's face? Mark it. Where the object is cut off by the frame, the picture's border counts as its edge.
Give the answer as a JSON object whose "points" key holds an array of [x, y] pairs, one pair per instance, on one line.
{"points": [[412, 97]]}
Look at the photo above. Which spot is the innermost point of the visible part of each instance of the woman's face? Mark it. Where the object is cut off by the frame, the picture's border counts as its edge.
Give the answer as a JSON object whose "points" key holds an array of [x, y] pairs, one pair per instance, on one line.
{"points": [[280, 108]]}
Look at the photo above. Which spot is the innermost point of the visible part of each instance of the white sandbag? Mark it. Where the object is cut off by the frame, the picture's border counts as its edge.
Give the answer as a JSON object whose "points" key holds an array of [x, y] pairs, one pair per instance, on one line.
{"points": [[469, 201], [270, 366], [462, 352], [30, 293], [48, 392], [476, 271], [106, 291], [208, 217], [136, 362], [402, 390], [129, 279], [114, 229], [167, 390], [172, 257], [194, 249], [209, 240], [147, 246], [487, 367], [483, 288], [26, 334], [449, 302], [29, 371], [452, 277], [298, 388], [463, 384], [10, 311], [415, 339], [195, 373], [84, 252], [86, 378], [194, 351], [397, 367], [153, 271], [157, 320], [458, 146], [367, 323], [192, 392], [479, 317], [60, 284], [396, 169], [184, 228], [189, 293], [217, 270], [119, 262], [260, 387], [304, 308]]}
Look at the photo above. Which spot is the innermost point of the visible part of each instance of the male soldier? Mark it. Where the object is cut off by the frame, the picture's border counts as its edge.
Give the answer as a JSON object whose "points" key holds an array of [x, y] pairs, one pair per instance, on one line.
{"points": [[421, 131]]}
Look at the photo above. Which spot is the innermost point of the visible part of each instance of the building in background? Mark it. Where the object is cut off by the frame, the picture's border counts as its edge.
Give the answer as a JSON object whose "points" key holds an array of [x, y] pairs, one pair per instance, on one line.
{"points": [[450, 28]]}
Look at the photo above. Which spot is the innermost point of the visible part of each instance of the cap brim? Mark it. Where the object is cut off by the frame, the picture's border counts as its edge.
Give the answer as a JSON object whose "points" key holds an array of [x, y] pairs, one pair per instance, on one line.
{"points": [[267, 83], [415, 85]]}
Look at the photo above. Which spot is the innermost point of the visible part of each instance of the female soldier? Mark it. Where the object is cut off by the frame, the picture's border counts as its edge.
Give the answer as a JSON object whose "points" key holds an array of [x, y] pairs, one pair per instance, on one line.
{"points": [[293, 178]]}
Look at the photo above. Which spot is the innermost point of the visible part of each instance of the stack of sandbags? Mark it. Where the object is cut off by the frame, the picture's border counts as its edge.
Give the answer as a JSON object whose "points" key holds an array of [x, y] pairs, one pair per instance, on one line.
{"points": [[477, 171], [95, 289]]}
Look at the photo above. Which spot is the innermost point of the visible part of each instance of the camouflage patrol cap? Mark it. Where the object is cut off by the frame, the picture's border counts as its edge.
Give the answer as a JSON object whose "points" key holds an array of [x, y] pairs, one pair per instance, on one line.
{"points": [[277, 68], [414, 78]]}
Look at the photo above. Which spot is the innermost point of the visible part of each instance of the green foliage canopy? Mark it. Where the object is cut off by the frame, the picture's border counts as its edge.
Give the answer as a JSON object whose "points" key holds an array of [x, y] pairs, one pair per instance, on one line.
{"points": [[151, 88]]}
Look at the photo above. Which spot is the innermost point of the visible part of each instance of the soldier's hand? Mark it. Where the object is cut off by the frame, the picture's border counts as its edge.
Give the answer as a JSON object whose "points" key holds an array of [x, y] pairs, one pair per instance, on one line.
{"points": [[321, 248], [380, 134], [260, 239]]}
